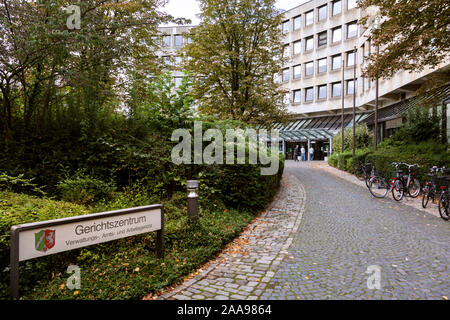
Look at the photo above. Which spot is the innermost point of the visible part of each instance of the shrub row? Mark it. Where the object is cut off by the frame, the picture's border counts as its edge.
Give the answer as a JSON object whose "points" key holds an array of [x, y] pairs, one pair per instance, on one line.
{"points": [[425, 154]]}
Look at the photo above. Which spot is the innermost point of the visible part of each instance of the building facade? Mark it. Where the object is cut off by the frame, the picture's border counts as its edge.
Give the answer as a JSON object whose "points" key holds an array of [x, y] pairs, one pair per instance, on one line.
{"points": [[326, 50]]}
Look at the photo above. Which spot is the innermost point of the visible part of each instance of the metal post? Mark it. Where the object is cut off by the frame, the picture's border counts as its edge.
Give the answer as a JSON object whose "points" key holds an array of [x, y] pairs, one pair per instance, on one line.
{"points": [[160, 244], [354, 101], [331, 146], [307, 151], [192, 199], [14, 272], [342, 94], [375, 135]]}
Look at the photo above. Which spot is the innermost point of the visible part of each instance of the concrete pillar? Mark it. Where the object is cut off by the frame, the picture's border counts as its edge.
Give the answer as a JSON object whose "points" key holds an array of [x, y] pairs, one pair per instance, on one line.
{"points": [[307, 150], [331, 146]]}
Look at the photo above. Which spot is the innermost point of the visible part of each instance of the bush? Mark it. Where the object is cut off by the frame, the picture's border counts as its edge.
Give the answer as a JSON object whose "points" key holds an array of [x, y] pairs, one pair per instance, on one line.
{"points": [[17, 209], [363, 138], [425, 154], [84, 189]]}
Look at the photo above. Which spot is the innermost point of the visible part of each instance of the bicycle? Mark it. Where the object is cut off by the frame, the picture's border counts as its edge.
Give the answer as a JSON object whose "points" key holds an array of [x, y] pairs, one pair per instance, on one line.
{"points": [[364, 172], [444, 203], [404, 183], [378, 185], [430, 190]]}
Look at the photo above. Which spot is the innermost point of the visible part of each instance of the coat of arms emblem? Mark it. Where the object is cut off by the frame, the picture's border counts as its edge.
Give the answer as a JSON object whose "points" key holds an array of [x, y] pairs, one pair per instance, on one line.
{"points": [[44, 240]]}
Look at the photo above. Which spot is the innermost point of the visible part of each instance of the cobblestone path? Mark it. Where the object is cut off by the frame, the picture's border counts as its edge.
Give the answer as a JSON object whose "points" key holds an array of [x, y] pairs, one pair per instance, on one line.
{"points": [[243, 271], [345, 230], [318, 240]]}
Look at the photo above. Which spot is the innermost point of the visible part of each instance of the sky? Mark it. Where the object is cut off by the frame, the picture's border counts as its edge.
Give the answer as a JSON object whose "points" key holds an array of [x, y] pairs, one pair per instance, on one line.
{"points": [[189, 8]]}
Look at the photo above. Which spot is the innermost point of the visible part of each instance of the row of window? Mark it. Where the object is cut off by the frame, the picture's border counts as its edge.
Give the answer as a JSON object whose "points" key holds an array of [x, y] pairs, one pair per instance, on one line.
{"points": [[321, 39], [178, 40], [321, 92], [321, 66], [321, 14]]}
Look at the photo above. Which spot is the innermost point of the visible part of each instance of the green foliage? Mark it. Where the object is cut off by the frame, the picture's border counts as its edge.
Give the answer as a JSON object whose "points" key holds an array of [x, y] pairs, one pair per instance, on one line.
{"points": [[364, 138], [126, 268], [19, 184], [236, 51], [84, 189], [420, 125], [426, 154]]}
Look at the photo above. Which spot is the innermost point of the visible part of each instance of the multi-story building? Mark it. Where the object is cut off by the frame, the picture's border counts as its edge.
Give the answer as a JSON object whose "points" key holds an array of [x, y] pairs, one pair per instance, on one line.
{"points": [[172, 39], [326, 51]]}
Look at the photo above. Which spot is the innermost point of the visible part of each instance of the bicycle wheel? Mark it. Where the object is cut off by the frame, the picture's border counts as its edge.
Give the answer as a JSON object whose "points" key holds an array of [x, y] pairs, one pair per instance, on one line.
{"points": [[425, 198], [414, 188], [444, 206], [398, 190], [378, 187]]}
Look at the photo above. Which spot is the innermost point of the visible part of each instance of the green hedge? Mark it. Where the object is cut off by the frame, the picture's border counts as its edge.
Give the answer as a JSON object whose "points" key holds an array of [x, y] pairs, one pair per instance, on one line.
{"points": [[425, 154]]}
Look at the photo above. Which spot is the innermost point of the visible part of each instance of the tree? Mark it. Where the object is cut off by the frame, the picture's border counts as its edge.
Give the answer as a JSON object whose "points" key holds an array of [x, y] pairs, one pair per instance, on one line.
{"points": [[411, 35], [234, 56], [47, 68]]}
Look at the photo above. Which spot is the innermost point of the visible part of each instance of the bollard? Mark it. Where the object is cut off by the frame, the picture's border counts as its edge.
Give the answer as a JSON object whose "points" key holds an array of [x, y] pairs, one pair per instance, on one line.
{"points": [[192, 199]]}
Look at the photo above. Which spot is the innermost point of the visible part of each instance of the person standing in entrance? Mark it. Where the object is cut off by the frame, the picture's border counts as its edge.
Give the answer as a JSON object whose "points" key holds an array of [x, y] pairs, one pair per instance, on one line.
{"points": [[311, 153], [303, 152], [296, 153]]}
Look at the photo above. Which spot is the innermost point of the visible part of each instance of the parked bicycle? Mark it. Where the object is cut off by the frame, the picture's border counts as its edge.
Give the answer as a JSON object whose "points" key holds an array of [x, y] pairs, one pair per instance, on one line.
{"points": [[378, 185], [444, 201], [432, 186], [364, 172], [405, 184]]}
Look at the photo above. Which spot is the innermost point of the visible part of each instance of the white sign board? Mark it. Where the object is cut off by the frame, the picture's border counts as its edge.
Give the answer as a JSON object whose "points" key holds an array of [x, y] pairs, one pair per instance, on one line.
{"points": [[34, 240], [41, 242]]}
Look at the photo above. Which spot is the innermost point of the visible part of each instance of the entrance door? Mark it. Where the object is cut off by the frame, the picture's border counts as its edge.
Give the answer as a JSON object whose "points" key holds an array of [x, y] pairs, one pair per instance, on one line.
{"points": [[321, 149]]}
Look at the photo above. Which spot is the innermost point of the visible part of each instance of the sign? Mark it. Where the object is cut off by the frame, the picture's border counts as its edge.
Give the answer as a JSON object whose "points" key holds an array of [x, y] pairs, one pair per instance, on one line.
{"points": [[40, 239]]}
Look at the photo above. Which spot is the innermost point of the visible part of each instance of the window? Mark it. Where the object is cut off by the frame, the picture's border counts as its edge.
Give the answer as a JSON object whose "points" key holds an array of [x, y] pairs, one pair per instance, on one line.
{"points": [[178, 81], [352, 30], [178, 61], [285, 75], [323, 12], [188, 40], [285, 27], [322, 65], [322, 91], [309, 43], [297, 71], [166, 41], [337, 34], [309, 18], [297, 96], [286, 51], [178, 39], [336, 89], [297, 47], [297, 22], [322, 39], [351, 58], [309, 94], [336, 62], [167, 60], [351, 4], [351, 87], [336, 7], [309, 68]]}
